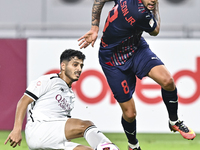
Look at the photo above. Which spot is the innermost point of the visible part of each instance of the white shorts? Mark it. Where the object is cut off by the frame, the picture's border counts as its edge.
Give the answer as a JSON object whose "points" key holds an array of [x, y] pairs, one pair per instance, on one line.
{"points": [[41, 135]]}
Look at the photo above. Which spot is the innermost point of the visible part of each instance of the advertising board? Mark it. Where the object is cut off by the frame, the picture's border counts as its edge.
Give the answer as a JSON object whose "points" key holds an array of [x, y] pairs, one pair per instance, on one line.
{"points": [[94, 98]]}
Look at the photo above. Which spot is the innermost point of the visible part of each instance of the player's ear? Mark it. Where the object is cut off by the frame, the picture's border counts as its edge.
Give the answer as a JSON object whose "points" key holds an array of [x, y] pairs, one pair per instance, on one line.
{"points": [[62, 65]]}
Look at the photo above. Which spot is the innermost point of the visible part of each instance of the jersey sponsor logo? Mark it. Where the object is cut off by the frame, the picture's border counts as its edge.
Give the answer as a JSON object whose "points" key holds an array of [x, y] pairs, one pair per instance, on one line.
{"points": [[132, 133], [38, 83], [62, 89], [151, 22], [66, 103], [148, 16], [155, 58], [173, 101]]}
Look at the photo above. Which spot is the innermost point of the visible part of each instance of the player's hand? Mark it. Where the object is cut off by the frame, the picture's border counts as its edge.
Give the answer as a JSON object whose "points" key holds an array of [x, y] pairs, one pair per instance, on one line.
{"points": [[89, 38], [14, 138]]}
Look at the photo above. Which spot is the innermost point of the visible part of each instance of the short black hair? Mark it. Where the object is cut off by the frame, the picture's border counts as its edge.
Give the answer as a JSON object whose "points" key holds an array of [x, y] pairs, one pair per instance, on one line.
{"points": [[68, 54]]}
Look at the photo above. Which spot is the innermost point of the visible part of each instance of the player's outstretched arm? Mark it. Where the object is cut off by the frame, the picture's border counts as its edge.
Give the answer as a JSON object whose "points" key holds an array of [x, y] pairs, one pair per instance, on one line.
{"points": [[91, 36], [157, 18], [15, 136]]}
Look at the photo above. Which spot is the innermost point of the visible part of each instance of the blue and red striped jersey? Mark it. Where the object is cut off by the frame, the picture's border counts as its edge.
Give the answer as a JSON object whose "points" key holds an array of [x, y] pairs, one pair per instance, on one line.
{"points": [[123, 29]]}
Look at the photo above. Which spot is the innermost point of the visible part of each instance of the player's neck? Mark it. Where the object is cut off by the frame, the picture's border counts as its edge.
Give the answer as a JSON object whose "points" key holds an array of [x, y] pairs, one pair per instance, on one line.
{"points": [[66, 79]]}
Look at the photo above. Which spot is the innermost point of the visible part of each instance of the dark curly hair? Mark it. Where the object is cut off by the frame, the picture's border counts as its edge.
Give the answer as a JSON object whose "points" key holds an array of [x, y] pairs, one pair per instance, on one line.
{"points": [[68, 54]]}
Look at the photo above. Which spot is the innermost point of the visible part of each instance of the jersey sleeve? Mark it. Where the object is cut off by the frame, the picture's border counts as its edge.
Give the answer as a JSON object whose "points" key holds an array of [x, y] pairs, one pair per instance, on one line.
{"points": [[147, 22], [37, 88]]}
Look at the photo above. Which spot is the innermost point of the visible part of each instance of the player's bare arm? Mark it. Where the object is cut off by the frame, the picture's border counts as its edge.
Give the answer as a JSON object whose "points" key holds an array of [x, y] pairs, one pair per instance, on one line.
{"points": [[91, 36], [157, 18], [15, 136], [96, 11]]}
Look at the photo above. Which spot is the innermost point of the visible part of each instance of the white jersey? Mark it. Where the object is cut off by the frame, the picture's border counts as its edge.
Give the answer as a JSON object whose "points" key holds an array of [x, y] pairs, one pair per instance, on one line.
{"points": [[53, 99]]}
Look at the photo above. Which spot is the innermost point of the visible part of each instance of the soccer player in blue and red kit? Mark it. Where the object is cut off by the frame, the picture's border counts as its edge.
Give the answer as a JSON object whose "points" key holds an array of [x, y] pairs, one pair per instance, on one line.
{"points": [[124, 54]]}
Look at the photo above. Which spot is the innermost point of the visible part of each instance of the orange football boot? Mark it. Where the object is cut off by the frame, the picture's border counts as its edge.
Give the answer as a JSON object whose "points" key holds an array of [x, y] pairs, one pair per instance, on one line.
{"points": [[185, 131]]}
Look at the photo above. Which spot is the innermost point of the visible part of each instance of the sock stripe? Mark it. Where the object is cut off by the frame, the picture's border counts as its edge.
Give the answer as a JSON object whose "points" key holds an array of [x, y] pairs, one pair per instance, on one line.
{"points": [[90, 127]]}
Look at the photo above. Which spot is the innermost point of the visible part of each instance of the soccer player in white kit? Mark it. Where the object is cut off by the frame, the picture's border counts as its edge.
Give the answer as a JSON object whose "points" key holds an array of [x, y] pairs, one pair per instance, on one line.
{"points": [[49, 124]]}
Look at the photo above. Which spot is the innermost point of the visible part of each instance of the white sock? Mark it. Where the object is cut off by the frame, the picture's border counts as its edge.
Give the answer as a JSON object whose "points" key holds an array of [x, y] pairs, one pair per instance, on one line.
{"points": [[134, 146], [94, 137], [173, 122]]}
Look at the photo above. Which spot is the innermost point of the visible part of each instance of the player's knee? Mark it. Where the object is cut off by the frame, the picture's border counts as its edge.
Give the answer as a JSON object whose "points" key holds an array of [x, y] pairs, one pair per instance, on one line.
{"points": [[168, 84], [85, 124], [82, 126], [130, 116]]}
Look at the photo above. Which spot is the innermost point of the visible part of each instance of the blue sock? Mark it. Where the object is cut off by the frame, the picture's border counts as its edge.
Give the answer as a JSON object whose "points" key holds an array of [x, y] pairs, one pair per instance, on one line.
{"points": [[170, 99], [130, 131]]}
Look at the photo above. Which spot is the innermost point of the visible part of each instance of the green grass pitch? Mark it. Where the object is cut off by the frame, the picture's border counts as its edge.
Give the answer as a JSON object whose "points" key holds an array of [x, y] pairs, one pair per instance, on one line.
{"points": [[171, 141]]}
